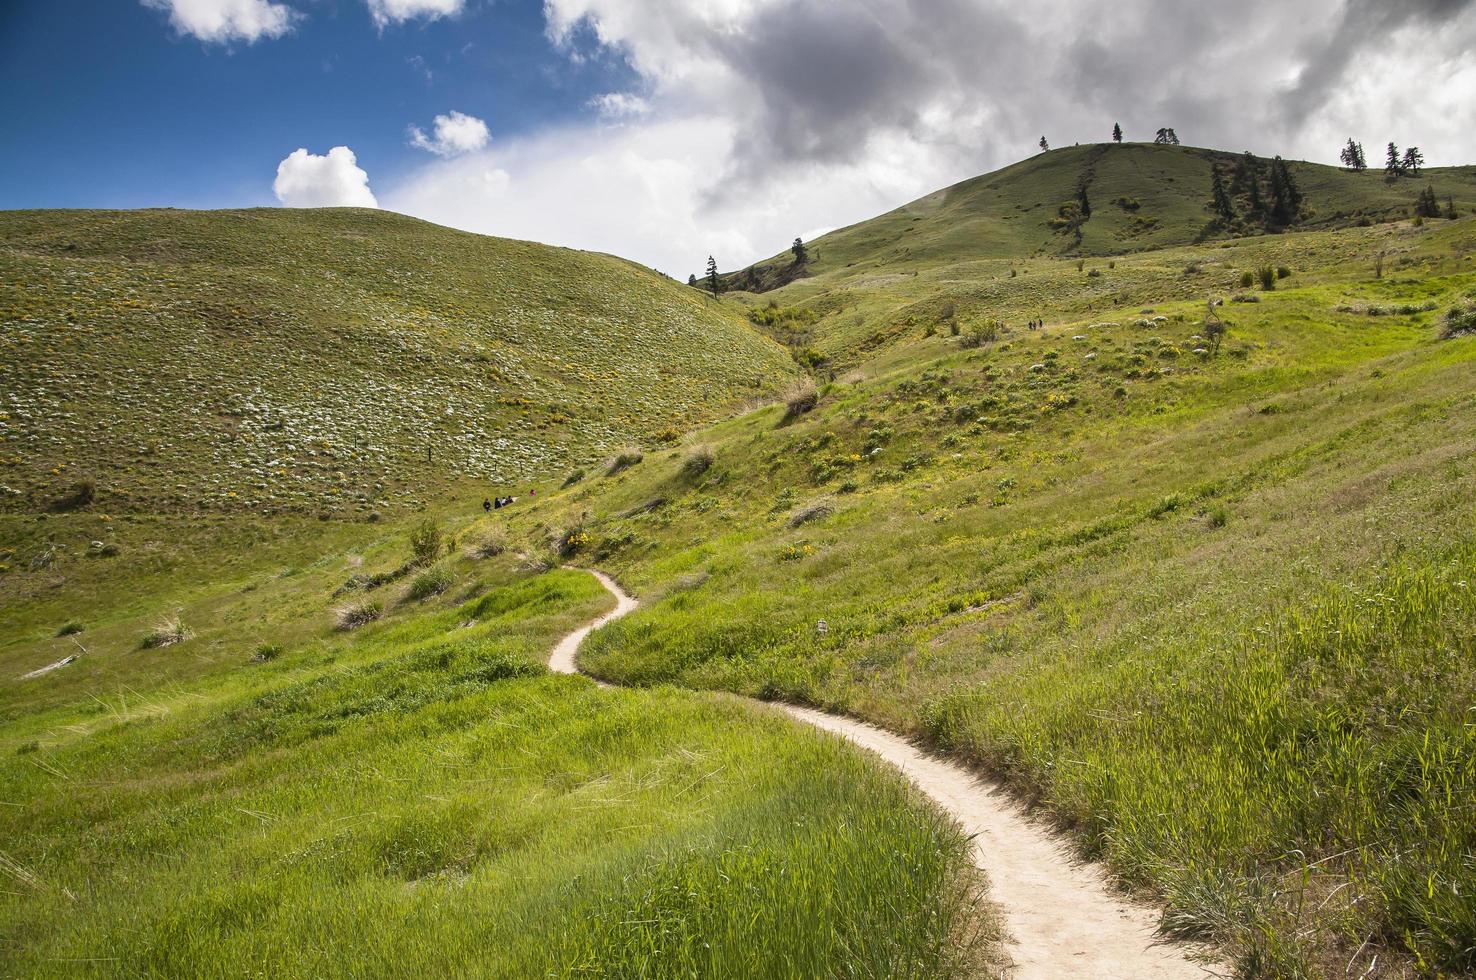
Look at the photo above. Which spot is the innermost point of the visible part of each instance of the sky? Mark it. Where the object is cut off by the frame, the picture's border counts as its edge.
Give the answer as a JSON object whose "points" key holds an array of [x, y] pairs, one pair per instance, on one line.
{"points": [[668, 130]]}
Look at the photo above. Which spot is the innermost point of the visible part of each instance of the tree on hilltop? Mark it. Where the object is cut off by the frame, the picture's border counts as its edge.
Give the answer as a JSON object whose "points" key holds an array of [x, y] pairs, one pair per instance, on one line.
{"points": [[1352, 157], [1167, 137], [1117, 132], [1413, 161], [1393, 164], [801, 254], [1043, 144], [712, 275]]}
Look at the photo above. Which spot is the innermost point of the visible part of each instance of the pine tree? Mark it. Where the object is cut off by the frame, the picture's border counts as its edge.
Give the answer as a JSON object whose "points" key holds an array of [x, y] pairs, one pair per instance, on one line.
{"points": [[1117, 132], [692, 279], [1173, 136], [1286, 199], [1352, 157], [1427, 205], [1162, 137], [801, 254], [1413, 161], [1220, 198], [1043, 144], [1450, 211], [1082, 203], [1393, 165], [712, 275]]}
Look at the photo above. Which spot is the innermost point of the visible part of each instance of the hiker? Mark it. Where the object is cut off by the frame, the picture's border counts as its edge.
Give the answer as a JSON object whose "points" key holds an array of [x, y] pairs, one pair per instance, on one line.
{"points": [[486, 506]]}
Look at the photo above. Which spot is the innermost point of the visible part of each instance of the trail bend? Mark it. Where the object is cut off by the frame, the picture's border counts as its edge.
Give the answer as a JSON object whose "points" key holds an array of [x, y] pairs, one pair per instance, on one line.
{"points": [[1062, 916]]}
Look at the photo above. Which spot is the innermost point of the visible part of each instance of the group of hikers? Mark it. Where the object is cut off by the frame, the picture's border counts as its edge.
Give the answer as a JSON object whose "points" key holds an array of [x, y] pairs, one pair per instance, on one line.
{"points": [[1037, 324], [490, 503]]}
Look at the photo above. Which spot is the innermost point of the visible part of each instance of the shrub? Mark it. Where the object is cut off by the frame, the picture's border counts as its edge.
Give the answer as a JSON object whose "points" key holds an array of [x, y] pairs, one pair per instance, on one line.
{"points": [[1282, 272], [812, 511], [1216, 517], [1267, 276], [425, 542], [980, 334], [573, 478], [266, 653], [1094, 274], [78, 495], [70, 628], [488, 546], [698, 461], [431, 582], [622, 461], [165, 633], [1459, 322], [570, 542], [356, 614], [1247, 279], [801, 399]]}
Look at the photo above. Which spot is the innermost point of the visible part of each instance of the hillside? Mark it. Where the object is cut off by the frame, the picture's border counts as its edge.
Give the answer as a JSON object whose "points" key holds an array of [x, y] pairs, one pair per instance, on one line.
{"points": [[1142, 196], [281, 360]]}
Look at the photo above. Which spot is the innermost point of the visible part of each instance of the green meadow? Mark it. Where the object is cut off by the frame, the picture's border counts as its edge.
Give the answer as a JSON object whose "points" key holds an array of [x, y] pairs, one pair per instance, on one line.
{"points": [[1189, 569]]}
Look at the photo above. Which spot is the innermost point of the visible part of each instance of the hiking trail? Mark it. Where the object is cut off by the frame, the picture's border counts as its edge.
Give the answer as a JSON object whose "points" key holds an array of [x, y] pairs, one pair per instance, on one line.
{"points": [[1063, 918]]}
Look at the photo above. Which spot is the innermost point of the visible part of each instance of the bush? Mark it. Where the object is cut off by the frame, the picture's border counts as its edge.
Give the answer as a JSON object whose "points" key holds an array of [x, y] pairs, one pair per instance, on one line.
{"points": [[266, 653], [70, 628], [812, 511], [425, 542], [980, 334], [1267, 276], [165, 634], [1247, 279], [801, 399], [78, 495], [488, 546], [1282, 272], [1459, 323], [698, 461], [431, 582], [573, 478], [356, 614], [569, 543], [623, 460]]}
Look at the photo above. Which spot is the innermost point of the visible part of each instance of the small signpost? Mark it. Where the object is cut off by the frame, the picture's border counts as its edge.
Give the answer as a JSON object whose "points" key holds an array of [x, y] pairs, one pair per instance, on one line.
{"points": [[822, 627]]}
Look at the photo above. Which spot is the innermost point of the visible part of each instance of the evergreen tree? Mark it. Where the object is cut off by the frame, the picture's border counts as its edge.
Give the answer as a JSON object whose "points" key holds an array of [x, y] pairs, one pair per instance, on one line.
{"points": [[801, 254], [1117, 132], [1286, 199], [1173, 136], [692, 279], [1043, 144], [1393, 165], [1450, 211], [1220, 198], [712, 275], [1413, 161], [1083, 205], [1352, 157], [1167, 137], [1427, 205]]}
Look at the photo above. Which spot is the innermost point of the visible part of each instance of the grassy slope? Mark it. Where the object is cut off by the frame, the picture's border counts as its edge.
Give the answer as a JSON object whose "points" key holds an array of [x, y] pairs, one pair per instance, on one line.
{"points": [[961, 247], [1137, 581], [302, 361], [423, 797]]}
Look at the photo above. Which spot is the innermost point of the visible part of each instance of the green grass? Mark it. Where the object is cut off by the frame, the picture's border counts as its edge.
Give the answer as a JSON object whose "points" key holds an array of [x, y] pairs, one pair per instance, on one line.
{"points": [[1136, 580], [279, 361], [426, 798]]}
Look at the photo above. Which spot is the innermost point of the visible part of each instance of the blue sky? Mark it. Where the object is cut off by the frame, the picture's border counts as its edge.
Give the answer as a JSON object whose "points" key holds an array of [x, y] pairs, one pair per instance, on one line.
{"points": [[128, 112], [668, 130]]}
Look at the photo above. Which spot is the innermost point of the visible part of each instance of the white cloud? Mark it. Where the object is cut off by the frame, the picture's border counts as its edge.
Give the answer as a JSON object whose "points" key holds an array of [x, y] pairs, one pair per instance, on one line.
{"points": [[619, 105], [454, 134], [759, 119], [222, 21], [387, 12], [306, 180]]}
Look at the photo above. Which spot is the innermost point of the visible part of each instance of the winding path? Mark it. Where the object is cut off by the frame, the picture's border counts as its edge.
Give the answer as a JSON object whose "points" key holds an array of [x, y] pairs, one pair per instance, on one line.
{"points": [[1063, 917]]}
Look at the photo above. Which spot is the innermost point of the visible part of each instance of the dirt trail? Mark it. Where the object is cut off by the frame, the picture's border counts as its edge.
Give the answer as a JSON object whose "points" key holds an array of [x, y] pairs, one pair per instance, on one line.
{"points": [[1063, 917]]}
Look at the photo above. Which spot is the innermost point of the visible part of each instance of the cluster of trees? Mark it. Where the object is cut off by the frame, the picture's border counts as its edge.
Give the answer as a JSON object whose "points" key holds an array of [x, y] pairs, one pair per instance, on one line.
{"points": [[1427, 205], [1396, 164], [1269, 196], [1167, 137]]}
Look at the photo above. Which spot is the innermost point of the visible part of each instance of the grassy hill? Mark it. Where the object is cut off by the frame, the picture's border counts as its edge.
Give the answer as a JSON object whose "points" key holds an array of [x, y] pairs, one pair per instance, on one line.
{"points": [[279, 360], [1207, 606], [1188, 568], [1142, 196]]}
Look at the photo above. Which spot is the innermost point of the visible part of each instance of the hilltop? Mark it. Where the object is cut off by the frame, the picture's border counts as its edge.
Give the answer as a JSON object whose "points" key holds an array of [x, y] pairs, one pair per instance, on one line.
{"points": [[284, 360]]}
